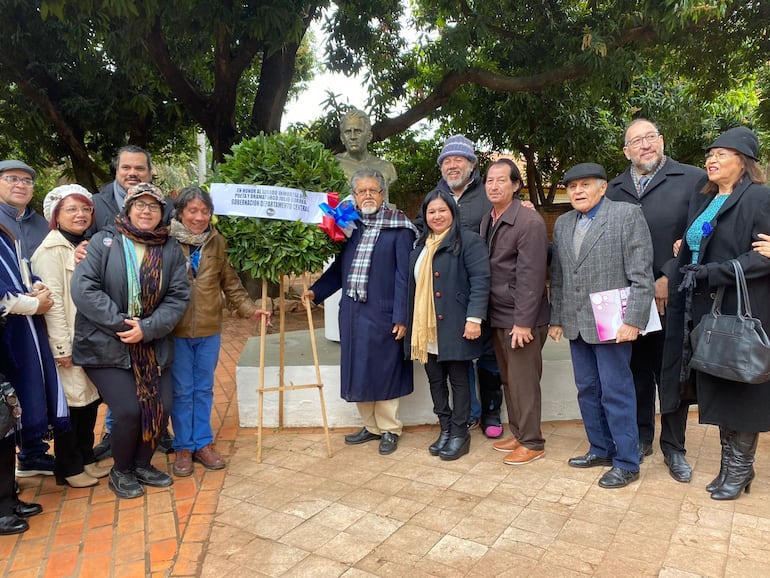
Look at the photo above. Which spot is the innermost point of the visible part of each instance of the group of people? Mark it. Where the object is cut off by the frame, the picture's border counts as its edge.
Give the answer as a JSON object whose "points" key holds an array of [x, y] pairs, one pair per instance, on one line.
{"points": [[117, 297], [113, 297], [469, 275]]}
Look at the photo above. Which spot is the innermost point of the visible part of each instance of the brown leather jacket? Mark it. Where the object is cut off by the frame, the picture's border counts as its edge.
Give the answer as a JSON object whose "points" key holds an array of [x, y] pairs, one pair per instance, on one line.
{"points": [[216, 279]]}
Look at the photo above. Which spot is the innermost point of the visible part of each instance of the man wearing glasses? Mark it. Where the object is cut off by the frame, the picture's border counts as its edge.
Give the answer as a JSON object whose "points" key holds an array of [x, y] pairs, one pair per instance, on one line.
{"points": [[17, 183], [663, 188]]}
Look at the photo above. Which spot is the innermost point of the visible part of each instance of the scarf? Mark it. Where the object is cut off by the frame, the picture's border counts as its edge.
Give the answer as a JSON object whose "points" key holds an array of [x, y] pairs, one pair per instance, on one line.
{"points": [[144, 295], [424, 319], [73, 238], [358, 277], [194, 240], [27, 359]]}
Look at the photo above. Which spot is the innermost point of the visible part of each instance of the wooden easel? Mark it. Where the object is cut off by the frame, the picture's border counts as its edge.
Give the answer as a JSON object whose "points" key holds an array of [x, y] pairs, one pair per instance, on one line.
{"points": [[281, 387]]}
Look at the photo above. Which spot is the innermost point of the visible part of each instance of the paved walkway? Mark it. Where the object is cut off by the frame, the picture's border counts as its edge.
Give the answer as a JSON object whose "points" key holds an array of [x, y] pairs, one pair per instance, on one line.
{"points": [[358, 514]]}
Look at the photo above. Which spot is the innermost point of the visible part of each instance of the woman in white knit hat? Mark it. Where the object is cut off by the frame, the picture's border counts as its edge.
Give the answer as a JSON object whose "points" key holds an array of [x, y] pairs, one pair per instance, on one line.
{"points": [[69, 210]]}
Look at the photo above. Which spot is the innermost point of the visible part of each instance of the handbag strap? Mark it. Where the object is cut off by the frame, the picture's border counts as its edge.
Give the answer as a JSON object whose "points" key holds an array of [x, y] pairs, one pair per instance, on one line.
{"points": [[742, 289]]}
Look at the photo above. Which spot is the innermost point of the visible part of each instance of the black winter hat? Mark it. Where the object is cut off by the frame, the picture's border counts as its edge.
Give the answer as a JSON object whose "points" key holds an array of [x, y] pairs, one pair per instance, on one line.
{"points": [[585, 171], [740, 139]]}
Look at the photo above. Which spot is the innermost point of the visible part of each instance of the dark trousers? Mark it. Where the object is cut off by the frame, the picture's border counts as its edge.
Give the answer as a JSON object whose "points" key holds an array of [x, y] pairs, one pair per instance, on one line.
{"points": [[520, 372], [646, 359], [118, 390], [30, 450], [454, 418], [73, 449], [607, 401], [7, 474]]}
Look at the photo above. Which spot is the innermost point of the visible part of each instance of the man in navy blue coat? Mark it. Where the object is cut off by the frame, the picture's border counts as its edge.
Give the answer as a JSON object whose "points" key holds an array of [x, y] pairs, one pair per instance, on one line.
{"points": [[372, 270]]}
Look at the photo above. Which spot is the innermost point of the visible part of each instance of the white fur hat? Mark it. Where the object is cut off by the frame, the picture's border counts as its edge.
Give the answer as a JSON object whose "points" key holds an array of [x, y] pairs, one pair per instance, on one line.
{"points": [[57, 194]]}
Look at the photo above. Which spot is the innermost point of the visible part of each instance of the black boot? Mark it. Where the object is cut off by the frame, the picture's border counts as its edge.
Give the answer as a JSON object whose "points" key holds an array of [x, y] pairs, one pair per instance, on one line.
{"points": [[440, 443], [740, 466], [491, 397], [456, 446], [724, 440]]}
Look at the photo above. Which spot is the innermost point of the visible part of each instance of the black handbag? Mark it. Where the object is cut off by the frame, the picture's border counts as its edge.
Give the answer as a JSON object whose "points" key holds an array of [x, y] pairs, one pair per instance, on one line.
{"points": [[10, 410], [733, 347]]}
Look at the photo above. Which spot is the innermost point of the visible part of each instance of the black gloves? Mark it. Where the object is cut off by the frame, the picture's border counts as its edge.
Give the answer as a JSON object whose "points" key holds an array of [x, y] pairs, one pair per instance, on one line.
{"points": [[691, 274]]}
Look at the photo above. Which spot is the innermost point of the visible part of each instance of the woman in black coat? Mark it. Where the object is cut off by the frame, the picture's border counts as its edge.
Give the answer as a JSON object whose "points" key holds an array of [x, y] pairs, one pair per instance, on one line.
{"points": [[734, 209], [448, 294]]}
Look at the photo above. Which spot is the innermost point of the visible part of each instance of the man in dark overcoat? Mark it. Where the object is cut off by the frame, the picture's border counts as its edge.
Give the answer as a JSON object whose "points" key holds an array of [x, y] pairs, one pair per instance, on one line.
{"points": [[372, 271], [664, 188]]}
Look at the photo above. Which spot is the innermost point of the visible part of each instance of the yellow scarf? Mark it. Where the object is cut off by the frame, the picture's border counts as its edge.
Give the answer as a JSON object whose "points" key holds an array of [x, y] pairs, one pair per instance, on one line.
{"points": [[424, 318]]}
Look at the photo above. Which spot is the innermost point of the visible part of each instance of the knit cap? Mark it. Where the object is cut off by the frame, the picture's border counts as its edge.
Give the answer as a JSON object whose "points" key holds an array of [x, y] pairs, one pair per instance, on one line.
{"points": [[459, 146]]}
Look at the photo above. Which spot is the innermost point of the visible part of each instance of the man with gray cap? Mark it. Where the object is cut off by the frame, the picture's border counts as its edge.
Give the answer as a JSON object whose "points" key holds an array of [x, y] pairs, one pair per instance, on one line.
{"points": [[17, 182], [599, 246]]}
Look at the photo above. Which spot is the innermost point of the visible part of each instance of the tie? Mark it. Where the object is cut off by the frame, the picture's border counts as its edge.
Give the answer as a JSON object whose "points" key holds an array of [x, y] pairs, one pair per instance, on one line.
{"points": [[643, 180]]}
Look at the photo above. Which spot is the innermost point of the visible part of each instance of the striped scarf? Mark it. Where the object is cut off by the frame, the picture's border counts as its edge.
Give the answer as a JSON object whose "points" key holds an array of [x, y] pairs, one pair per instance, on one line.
{"points": [[358, 277], [147, 278]]}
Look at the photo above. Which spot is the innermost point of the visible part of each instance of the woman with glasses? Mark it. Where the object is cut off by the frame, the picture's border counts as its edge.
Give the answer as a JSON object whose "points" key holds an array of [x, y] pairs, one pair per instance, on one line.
{"points": [[734, 208], [69, 210], [130, 291]]}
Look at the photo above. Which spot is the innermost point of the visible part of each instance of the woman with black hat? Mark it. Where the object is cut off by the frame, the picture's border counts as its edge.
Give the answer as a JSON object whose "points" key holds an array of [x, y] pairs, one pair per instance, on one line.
{"points": [[130, 292], [733, 209]]}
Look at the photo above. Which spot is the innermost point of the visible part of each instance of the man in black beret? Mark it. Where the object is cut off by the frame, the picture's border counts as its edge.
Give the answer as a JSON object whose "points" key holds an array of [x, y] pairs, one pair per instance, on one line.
{"points": [[664, 189], [601, 246]]}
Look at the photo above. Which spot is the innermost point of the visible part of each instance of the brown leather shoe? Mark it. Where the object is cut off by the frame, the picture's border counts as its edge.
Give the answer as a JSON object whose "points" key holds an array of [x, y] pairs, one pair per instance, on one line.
{"points": [[183, 465], [522, 455], [209, 457], [506, 446]]}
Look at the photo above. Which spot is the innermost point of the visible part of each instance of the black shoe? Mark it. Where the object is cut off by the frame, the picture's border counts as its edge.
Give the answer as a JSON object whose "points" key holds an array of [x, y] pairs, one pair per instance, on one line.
{"points": [[125, 484], [165, 443], [388, 443], [589, 460], [12, 525], [361, 437], [152, 476], [645, 449], [439, 444], [618, 478], [456, 446], [678, 467], [103, 449], [25, 510]]}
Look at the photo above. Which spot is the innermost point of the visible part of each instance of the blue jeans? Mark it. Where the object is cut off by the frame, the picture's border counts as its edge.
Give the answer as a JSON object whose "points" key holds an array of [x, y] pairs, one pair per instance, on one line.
{"points": [[195, 359], [607, 400]]}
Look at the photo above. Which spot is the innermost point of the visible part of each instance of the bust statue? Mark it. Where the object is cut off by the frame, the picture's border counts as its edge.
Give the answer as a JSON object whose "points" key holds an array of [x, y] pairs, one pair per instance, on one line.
{"points": [[355, 133]]}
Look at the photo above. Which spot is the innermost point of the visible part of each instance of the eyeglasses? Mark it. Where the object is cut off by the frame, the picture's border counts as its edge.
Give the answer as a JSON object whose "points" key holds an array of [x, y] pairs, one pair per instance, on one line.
{"points": [[720, 156], [637, 141], [152, 207], [13, 180], [368, 192], [73, 210]]}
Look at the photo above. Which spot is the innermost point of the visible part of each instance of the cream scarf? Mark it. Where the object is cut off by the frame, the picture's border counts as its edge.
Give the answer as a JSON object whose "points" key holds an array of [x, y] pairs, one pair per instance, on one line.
{"points": [[424, 318]]}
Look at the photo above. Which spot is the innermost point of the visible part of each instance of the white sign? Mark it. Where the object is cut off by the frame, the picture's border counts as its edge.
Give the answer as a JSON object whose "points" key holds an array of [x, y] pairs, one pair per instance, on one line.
{"points": [[267, 202]]}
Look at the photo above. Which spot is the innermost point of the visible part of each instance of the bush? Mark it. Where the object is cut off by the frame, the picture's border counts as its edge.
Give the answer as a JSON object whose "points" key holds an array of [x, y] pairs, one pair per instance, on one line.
{"points": [[269, 248]]}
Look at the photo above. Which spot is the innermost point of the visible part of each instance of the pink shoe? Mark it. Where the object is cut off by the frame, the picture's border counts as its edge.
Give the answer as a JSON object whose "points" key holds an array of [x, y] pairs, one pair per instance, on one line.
{"points": [[493, 431]]}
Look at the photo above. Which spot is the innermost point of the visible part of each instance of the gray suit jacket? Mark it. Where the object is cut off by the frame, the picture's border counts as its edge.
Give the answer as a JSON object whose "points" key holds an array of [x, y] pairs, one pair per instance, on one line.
{"points": [[616, 252]]}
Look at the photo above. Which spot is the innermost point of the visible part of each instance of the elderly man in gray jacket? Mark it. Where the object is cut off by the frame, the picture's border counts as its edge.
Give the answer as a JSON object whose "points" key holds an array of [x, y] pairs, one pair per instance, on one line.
{"points": [[599, 246]]}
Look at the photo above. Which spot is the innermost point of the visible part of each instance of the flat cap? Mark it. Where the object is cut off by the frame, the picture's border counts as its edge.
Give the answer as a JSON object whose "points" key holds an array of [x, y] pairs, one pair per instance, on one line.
{"points": [[14, 164], [585, 171]]}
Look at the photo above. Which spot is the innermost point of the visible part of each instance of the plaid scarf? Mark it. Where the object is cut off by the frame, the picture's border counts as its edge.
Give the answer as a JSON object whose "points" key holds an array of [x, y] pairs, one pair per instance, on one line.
{"points": [[147, 279], [358, 277]]}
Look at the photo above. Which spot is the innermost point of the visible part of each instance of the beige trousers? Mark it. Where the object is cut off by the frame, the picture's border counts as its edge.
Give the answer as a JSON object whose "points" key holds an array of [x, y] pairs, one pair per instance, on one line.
{"points": [[380, 416]]}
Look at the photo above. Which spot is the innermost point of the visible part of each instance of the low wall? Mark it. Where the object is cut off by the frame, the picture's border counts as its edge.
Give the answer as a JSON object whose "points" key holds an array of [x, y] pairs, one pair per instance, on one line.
{"points": [[301, 407]]}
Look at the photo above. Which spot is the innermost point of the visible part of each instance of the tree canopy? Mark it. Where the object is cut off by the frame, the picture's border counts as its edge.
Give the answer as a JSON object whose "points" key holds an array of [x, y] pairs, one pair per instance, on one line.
{"points": [[84, 77]]}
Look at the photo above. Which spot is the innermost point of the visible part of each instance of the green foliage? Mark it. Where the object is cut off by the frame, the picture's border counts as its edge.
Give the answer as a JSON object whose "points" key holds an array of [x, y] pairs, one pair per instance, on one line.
{"points": [[269, 248]]}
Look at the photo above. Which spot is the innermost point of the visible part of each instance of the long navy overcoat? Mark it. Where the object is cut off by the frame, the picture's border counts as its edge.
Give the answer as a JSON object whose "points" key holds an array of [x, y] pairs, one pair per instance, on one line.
{"points": [[372, 364]]}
